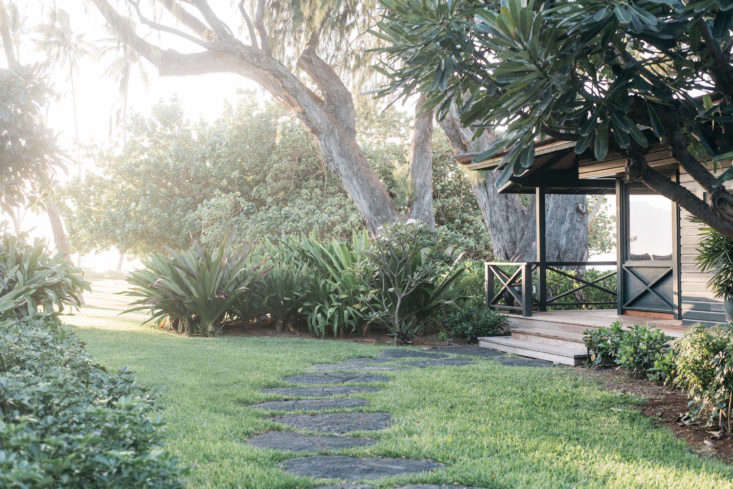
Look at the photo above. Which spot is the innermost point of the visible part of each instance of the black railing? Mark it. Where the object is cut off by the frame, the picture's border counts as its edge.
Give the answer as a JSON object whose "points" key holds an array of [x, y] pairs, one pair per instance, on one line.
{"points": [[510, 286]]}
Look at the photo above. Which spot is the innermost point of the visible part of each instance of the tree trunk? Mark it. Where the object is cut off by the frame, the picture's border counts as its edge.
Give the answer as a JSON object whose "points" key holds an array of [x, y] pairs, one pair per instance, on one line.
{"points": [[346, 159], [421, 166], [511, 223], [59, 236]]}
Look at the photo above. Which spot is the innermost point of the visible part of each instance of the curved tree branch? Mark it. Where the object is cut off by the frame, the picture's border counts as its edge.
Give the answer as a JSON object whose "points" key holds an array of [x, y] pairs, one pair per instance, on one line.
{"points": [[7, 38], [187, 19], [250, 25], [338, 98]]}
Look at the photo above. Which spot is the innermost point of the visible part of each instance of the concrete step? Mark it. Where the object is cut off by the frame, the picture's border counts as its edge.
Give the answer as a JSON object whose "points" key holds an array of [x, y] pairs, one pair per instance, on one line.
{"points": [[553, 350]]}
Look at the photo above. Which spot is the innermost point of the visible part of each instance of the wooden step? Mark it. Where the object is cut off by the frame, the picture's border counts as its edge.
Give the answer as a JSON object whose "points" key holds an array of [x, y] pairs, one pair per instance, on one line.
{"points": [[553, 350], [549, 331]]}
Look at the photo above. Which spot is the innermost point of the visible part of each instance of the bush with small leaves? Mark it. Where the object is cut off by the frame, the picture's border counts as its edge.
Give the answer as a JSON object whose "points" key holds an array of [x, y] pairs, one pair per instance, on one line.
{"points": [[704, 369], [603, 344], [640, 348], [474, 320], [66, 423]]}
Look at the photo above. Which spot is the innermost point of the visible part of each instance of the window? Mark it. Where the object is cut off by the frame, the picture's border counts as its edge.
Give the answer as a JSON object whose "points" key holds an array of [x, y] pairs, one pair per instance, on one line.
{"points": [[650, 228]]}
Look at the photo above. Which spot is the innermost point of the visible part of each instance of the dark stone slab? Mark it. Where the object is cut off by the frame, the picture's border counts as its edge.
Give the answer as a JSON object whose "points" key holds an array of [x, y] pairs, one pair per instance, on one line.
{"points": [[337, 422], [512, 361], [433, 486], [440, 362], [345, 486], [405, 353], [310, 404], [468, 350], [297, 442], [357, 365], [336, 378], [355, 469], [325, 391]]}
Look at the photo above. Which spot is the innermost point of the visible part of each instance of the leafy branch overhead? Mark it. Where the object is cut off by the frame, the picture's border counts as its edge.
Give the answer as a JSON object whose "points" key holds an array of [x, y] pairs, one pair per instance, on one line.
{"points": [[612, 76]]}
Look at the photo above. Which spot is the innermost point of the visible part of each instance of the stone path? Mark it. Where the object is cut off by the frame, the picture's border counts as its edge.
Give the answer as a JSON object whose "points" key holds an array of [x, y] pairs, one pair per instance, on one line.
{"points": [[323, 389]]}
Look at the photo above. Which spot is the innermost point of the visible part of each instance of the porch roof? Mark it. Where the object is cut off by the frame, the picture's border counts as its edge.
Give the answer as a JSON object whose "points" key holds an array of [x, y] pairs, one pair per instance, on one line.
{"points": [[561, 171]]}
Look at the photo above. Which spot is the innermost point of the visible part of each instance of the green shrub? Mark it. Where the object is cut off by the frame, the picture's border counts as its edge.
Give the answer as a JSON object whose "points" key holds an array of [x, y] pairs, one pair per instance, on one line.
{"points": [[66, 422], [474, 320], [411, 280], [640, 348], [32, 280], [664, 369], [193, 290], [715, 255], [332, 300], [704, 369], [603, 345]]}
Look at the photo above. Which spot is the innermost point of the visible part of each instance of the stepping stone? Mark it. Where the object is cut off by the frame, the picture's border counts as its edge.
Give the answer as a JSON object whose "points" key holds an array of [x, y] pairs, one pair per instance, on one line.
{"points": [[326, 391], [335, 378], [355, 469], [337, 422], [433, 486], [440, 362], [310, 404], [397, 353], [345, 486], [354, 366], [297, 442], [512, 361], [468, 350]]}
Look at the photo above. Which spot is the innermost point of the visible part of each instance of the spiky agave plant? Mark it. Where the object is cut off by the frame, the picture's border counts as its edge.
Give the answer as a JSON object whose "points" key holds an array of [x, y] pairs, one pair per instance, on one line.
{"points": [[31, 279], [194, 290]]}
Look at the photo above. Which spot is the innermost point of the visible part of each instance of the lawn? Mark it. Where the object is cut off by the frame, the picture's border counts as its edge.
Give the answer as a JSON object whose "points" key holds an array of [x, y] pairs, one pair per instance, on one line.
{"points": [[493, 426]]}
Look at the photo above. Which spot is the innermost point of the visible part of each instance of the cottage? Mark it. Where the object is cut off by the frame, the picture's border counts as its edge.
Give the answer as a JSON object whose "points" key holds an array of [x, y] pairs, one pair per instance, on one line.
{"points": [[659, 285]]}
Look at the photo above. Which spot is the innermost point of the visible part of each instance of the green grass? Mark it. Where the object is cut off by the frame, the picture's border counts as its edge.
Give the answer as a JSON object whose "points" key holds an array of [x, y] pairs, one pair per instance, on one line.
{"points": [[492, 426]]}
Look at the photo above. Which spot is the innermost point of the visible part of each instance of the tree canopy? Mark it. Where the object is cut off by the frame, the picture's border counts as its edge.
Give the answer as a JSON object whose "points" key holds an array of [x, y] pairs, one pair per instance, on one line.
{"points": [[28, 149], [612, 76], [253, 174]]}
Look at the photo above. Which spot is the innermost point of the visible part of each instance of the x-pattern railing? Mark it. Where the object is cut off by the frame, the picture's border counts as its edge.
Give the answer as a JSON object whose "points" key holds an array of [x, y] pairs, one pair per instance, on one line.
{"points": [[516, 292]]}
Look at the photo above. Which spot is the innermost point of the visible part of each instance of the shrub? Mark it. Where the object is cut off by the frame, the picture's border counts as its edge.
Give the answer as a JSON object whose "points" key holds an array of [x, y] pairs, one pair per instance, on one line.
{"points": [[32, 280], [640, 348], [664, 369], [715, 255], [704, 369], [473, 320], [411, 280], [66, 422], [332, 300], [603, 345], [193, 290]]}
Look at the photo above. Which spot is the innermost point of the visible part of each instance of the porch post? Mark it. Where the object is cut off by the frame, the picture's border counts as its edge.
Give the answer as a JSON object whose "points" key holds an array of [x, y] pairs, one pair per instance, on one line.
{"points": [[622, 227], [541, 247]]}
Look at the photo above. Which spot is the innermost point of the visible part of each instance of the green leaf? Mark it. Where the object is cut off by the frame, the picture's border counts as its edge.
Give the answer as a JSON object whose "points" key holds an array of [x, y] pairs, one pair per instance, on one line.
{"points": [[600, 147]]}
